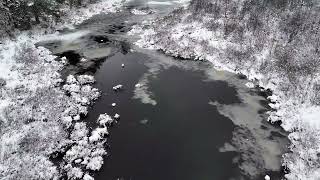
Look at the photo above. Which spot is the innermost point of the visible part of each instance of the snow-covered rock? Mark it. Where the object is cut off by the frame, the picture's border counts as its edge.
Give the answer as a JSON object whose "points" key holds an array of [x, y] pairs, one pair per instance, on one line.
{"points": [[98, 134], [105, 120], [138, 85], [116, 116], [117, 87], [250, 85], [267, 177], [87, 177], [83, 60]]}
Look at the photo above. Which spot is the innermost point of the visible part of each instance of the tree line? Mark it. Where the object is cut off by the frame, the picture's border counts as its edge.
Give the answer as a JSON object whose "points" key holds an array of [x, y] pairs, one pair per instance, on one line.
{"points": [[23, 14], [289, 29]]}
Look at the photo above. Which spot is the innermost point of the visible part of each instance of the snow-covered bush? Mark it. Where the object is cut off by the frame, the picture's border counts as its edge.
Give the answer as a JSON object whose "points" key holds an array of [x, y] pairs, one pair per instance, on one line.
{"points": [[37, 114], [88, 150], [24, 14], [29, 132]]}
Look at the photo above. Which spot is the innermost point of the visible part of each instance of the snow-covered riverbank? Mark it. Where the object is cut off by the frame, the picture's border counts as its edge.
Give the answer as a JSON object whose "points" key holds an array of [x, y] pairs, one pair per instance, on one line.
{"points": [[40, 112], [295, 91]]}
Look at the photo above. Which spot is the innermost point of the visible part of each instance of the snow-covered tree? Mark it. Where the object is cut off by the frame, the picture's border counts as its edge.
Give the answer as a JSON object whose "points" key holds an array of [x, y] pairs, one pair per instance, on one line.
{"points": [[23, 14]]}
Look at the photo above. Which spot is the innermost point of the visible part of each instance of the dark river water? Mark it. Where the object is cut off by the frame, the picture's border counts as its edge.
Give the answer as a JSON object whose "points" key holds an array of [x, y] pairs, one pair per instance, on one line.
{"points": [[184, 120], [178, 138], [172, 131]]}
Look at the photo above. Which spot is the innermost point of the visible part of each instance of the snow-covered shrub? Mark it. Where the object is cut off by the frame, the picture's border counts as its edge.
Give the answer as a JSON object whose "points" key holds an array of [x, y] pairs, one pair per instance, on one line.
{"points": [[105, 120], [87, 177], [88, 148], [29, 133], [5, 23], [36, 113], [86, 79]]}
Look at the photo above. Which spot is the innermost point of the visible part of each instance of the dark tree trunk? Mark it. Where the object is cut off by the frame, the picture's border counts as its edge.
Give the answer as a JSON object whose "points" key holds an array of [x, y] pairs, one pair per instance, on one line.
{"points": [[79, 2], [71, 2], [36, 14]]}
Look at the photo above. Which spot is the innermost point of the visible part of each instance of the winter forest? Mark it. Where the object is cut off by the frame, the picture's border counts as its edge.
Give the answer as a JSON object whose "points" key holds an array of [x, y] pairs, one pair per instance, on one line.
{"points": [[206, 89]]}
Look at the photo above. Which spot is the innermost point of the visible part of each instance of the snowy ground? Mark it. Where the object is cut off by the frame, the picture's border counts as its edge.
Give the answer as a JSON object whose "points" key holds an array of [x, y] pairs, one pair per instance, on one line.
{"points": [[294, 104], [40, 113]]}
